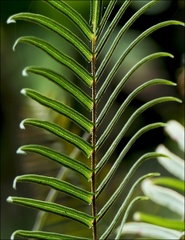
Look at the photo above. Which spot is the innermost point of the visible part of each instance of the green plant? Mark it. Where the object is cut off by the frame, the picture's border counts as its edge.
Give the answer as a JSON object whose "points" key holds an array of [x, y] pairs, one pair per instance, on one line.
{"points": [[165, 191], [93, 165]]}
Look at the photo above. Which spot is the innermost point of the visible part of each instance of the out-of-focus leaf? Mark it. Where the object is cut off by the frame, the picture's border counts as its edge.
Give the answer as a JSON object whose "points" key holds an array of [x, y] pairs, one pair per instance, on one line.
{"points": [[175, 165], [176, 131], [164, 196], [163, 222], [150, 231], [170, 182]]}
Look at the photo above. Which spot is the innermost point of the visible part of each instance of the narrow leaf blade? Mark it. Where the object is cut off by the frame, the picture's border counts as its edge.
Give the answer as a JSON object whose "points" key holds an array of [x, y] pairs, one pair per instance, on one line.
{"points": [[132, 118], [128, 197], [176, 165], [131, 204], [124, 105], [57, 28], [164, 196], [143, 158], [152, 231], [60, 108], [105, 16], [170, 182], [123, 81], [118, 215], [54, 208], [123, 30], [58, 56], [44, 235], [141, 37], [73, 15], [113, 24], [159, 221], [56, 184], [124, 205], [57, 157], [70, 87], [72, 138], [96, 14]]}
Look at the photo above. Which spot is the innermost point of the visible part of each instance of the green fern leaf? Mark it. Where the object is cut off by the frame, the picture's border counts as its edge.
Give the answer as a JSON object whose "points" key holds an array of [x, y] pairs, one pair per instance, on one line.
{"points": [[163, 222], [56, 184], [170, 182], [45, 235], [75, 91], [73, 15], [90, 164], [59, 107], [126, 103], [83, 145], [118, 191], [121, 32], [58, 56], [58, 157], [54, 208], [56, 27], [125, 78], [155, 231]]}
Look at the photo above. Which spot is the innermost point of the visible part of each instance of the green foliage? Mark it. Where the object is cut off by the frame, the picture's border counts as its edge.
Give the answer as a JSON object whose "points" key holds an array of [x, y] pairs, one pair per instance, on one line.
{"points": [[90, 78], [165, 191]]}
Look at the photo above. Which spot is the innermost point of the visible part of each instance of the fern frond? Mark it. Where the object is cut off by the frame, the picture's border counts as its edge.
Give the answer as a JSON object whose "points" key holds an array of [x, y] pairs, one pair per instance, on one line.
{"points": [[130, 120], [89, 94], [131, 204], [135, 200], [123, 81], [106, 16]]}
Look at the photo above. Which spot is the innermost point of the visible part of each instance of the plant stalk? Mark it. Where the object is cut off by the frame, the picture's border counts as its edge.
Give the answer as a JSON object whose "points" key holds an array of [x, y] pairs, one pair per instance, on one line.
{"points": [[93, 139], [96, 10]]}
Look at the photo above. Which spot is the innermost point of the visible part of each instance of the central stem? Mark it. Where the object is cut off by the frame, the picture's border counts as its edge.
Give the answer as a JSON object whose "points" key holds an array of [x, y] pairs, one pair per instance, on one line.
{"points": [[93, 157]]}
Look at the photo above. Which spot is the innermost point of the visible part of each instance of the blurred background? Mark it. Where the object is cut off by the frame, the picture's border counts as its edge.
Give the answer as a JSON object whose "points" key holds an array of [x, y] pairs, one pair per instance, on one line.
{"points": [[15, 107]]}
